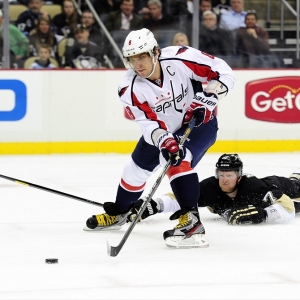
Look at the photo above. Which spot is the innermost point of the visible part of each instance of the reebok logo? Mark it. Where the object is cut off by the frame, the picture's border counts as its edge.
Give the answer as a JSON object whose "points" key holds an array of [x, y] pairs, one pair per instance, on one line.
{"points": [[274, 100]]}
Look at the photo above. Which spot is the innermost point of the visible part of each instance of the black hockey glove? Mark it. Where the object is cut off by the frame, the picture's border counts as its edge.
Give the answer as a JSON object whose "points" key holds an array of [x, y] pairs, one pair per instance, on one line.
{"points": [[247, 215], [151, 209]]}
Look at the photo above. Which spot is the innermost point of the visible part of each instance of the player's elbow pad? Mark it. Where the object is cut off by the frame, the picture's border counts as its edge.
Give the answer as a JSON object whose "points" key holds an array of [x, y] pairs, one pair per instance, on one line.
{"points": [[217, 88]]}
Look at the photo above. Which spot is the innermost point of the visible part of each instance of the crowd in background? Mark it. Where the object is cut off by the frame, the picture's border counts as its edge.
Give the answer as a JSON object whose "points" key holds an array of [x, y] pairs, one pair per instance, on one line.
{"points": [[73, 38]]}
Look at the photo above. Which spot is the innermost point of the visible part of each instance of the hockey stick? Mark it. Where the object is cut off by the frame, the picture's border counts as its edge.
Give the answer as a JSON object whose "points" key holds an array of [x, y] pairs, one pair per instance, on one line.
{"points": [[114, 251], [43, 188]]}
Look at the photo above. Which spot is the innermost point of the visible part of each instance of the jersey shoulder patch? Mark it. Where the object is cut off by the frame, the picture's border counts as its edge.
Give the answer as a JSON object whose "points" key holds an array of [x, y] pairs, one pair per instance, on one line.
{"points": [[122, 90], [182, 50]]}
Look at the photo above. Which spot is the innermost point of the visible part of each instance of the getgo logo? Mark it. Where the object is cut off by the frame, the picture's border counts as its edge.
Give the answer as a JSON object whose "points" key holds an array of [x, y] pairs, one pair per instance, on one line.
{"points": [[16, 91], [274, 99]]}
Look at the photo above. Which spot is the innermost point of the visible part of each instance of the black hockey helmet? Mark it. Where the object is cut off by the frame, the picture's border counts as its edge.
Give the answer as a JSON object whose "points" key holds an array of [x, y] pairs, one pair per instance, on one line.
{"points": [[229, 162]]}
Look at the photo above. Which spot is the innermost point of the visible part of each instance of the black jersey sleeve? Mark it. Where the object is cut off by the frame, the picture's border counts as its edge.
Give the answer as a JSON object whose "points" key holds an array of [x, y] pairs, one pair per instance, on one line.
{"points": [[256, 192]]}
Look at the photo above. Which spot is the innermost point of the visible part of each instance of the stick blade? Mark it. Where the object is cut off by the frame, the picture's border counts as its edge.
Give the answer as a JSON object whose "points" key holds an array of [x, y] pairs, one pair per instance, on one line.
{"points": [[112, 251]]}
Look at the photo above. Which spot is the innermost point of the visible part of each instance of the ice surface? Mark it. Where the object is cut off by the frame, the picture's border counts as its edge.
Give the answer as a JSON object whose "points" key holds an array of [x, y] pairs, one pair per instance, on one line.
{"points": [[250, 262]]}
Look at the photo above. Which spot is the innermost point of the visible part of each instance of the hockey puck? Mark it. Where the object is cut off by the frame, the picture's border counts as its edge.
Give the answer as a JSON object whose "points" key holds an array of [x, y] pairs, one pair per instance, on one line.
{"points": [[51, 260]]}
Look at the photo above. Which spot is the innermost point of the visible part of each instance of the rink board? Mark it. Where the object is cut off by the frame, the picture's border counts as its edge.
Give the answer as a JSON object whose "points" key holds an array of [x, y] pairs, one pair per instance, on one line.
{"points": [[70, 111]]}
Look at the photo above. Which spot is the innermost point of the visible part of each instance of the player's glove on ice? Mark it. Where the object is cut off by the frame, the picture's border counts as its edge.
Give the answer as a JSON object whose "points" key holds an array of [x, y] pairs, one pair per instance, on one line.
{"points": [[202, 108], [247, 215], [151, 209]]}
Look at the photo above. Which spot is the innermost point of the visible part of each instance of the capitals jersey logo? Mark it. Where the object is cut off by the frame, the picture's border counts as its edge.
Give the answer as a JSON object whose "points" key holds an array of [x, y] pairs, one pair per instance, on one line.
{"points": [[181, 50], [122, 91]]}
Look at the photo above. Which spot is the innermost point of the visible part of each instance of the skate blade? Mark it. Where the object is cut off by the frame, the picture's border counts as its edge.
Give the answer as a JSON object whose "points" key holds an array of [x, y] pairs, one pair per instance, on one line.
{"points": [[180, 242], [99, 229]]}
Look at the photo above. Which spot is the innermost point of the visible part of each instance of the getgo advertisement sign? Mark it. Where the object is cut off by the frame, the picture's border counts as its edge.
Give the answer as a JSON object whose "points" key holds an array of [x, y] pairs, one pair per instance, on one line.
{"points": [[274, 99], [16, 92]]}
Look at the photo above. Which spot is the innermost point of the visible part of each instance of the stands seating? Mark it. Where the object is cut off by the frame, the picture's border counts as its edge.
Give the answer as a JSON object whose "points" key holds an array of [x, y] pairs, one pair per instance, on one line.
{"points": [[283, 44], [61, 47], [234, 61], [31, 60], [164, 37], [265, 61], [104, 17], [14, 11], [119, 38], [52, 9]]}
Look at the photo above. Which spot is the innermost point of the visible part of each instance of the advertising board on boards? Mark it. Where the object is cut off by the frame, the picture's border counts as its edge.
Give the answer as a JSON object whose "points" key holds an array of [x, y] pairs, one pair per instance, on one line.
{"points": [[274, 99]]}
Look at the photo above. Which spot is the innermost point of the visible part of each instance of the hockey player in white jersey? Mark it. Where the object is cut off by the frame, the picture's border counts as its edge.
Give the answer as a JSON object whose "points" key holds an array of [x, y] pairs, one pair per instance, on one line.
{"points": [[161, 92]]}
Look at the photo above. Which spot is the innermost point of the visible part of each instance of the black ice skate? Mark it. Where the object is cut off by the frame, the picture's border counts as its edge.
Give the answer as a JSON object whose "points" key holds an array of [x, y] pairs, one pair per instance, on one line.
{"points": [[111, 220], [188, 233]]}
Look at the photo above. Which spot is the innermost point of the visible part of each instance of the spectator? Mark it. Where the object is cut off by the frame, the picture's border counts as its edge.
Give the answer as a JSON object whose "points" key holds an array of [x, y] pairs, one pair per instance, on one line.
{"points": [[141, 6], [18, 42], [189, 6], [204, 5], [220, 6], [124, 18], [12, 57], [27, 20], [251, 39], [81, 53], [105, 6], [234, 18], [180, 39], [156, 19], [66, 21], [42, 35], [221, 3], [25, 2], [214, 40], [96, 36], [43, 62], [181, 10]]}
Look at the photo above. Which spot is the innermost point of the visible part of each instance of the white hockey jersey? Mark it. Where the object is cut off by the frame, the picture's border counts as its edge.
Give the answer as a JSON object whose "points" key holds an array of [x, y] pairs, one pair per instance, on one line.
{"points": [[153, 106]]}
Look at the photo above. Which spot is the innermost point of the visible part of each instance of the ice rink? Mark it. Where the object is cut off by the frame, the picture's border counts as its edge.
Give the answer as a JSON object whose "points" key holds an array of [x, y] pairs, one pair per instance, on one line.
{"points": [[249, 262]]}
